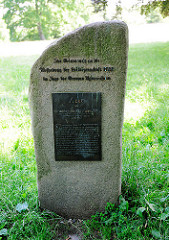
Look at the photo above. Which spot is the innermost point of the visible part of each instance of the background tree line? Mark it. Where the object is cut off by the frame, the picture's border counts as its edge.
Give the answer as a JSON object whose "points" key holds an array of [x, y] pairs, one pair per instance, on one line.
{"points": [[43, 19], [48, 19]]}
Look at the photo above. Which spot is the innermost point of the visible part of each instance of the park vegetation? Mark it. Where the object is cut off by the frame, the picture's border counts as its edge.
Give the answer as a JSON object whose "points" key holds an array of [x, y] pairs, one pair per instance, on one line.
{"points": [[48, 19], [43, 19], [143, 212]]}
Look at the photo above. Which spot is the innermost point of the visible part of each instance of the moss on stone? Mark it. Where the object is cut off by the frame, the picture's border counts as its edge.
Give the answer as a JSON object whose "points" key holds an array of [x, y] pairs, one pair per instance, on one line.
{"points": [[91, 40]]}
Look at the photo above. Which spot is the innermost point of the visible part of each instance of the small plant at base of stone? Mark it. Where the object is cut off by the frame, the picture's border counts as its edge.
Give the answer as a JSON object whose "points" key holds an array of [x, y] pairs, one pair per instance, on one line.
{"points": [[106, 222]]}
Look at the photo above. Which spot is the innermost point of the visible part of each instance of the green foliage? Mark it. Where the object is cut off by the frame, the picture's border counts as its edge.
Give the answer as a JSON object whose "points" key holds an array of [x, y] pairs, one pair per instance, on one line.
{"points": [[163, 7], [129, 222], [99, 5], [145, 173], [41, 19], [111, 223], [143, 212], [118, 13], [153, 17], [4, 34]]}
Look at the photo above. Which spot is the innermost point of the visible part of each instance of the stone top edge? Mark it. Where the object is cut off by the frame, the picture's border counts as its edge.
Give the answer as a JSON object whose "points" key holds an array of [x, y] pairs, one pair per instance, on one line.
{"points": [[114, 23], [96, 24]]}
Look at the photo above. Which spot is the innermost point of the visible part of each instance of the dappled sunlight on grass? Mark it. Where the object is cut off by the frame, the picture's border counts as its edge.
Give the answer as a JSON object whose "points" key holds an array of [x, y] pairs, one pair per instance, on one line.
{"points": [[133, 111], [8, 137], [164, 91], [15, 124], [138, 102], [24, 92]]}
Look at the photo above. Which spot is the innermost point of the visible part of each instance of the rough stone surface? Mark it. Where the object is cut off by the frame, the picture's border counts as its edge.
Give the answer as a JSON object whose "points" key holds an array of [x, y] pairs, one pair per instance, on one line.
{"points": [[74, 237], [80, 188]]}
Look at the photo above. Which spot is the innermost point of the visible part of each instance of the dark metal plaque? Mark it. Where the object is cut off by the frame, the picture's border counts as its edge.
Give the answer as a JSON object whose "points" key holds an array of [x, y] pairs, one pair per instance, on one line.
{"points": [[77, 126]]}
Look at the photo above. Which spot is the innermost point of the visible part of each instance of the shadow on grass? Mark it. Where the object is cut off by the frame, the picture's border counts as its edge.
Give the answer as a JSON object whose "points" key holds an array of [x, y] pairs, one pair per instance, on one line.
{"points": [[146, 154]]}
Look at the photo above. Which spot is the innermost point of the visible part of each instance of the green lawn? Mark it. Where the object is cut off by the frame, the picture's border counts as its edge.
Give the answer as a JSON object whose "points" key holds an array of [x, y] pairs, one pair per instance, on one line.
{"points": [[144, 209]]}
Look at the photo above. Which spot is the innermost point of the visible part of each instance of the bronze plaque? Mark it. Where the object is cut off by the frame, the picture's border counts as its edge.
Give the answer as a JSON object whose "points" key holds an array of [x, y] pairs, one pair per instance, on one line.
{"points": [[77, 126]]}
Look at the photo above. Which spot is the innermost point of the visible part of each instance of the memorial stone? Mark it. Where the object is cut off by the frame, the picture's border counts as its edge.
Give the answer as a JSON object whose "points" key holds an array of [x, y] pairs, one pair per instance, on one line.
{"points": [[77, 91]]}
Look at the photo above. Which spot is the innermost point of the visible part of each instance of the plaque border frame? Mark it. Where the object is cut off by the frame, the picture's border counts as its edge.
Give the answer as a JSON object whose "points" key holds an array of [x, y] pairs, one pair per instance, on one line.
{"points": [[100, 128]]}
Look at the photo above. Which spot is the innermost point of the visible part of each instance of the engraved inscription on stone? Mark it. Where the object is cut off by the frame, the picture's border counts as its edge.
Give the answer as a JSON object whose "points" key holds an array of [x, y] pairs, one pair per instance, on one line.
{"points": [[78, 69], [77, 126]]}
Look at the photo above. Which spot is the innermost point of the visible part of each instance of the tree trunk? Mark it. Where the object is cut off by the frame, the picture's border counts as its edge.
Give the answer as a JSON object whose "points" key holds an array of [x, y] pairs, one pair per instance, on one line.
{"points": [[40, 32], [41, 35]]}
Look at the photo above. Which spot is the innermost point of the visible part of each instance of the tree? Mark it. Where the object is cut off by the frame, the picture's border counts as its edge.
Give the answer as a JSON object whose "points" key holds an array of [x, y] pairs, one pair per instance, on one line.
{"points": [[100, 5], [4, 32], [118, 10], [162, 5], [41, 19], [25, 14]]}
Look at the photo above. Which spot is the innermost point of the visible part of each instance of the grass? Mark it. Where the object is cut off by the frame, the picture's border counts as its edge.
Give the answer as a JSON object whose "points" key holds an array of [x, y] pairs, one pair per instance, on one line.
{"points": [[144, 209]]}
